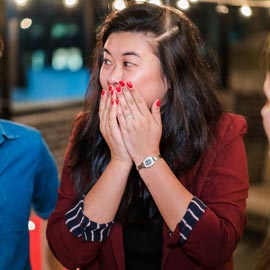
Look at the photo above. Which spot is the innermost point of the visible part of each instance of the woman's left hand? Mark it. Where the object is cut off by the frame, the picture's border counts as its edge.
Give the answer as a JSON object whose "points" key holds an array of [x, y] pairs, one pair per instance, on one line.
{"points": [[141, 128]]}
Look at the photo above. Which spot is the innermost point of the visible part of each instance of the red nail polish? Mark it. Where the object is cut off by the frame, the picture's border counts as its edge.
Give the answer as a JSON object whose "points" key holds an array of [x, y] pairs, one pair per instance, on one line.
{"points": [[130, 85], [103, 92], [112, 101], [112, 92], [118, 89], [110, 87], [158, 103], [122, 83], [117, 101]]}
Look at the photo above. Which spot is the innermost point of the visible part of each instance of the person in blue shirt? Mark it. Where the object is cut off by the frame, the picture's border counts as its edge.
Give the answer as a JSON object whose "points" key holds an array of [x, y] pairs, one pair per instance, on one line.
{"points": [[28, 180]]}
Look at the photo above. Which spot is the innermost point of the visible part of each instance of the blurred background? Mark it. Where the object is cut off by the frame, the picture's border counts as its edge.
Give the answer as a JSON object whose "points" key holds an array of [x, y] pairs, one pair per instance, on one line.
{"points": [[45, 72]]}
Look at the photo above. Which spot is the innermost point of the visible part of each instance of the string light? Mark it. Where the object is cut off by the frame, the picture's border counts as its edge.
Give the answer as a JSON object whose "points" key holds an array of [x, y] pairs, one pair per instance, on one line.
{"points": [[156, 2], [222, 6], [70, 3], [246, 11], [119, 4], [222, 9], [182, 4], [21, 3], [26, 23], [239, 3]]}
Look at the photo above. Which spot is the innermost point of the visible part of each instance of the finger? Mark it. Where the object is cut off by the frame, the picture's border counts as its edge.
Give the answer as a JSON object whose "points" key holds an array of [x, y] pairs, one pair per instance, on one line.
{"points": [[112, 123], [156, 111], [102, 102], [138, 100], [105, 109], [112, 107], [102, 109], [126, 102], [120, 115]]}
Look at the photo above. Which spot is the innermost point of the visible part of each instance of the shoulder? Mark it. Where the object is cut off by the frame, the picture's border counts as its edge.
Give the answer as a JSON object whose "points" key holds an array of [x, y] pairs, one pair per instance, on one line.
{"points": [[231, 125], [20, 132], [15, 128], [233, 122], [233, 119]]}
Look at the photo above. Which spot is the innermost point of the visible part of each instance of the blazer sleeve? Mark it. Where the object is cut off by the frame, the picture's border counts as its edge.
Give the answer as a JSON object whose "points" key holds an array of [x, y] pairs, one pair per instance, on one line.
{"points": [[223, 187]]}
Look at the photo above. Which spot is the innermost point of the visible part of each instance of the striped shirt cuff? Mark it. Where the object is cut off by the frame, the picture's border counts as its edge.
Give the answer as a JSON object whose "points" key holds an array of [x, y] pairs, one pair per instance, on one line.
{"points": [[194, 212], [80, 226]]}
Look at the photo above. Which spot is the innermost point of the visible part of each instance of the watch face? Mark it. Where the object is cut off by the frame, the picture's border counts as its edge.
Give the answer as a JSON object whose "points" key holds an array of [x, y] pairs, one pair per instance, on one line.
{"points": [[148, 162]]}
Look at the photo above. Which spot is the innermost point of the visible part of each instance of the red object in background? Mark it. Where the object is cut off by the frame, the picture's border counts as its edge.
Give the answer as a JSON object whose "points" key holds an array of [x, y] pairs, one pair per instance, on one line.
{"points": [[35, 243]]}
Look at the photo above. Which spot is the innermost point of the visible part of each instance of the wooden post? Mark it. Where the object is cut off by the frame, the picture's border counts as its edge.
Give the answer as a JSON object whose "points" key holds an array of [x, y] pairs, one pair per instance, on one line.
{"points": [[89, 29]]}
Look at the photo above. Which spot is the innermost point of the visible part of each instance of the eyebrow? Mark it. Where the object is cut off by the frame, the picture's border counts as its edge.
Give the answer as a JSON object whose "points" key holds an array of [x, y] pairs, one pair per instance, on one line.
{"points": [[124, 54]]}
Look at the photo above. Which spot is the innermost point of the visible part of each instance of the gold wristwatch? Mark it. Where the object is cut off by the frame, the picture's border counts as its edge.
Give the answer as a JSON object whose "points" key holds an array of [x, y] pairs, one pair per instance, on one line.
{"points": [[148, 162]]}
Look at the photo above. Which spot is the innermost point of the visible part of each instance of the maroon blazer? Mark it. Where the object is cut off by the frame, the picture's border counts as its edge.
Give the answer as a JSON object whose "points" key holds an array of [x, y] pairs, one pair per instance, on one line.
{"points": [[219, 179]]}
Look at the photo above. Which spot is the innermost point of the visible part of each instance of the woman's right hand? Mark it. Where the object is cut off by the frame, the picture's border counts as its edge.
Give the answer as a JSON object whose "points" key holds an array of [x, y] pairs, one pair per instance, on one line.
{"points": [[109, 126], [102, 209]]}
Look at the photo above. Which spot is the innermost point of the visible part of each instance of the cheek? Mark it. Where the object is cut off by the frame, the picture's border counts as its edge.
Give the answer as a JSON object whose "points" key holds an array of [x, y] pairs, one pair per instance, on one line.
{"points": [[102, 78], [266, 86], [152, 91]]}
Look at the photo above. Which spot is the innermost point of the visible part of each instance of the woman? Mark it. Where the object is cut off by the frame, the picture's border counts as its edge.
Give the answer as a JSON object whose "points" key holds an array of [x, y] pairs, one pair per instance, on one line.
{"points": [[155, 175]]}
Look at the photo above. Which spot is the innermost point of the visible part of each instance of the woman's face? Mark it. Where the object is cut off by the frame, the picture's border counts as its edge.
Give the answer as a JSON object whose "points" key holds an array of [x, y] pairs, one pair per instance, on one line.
{"points": [[266, 109], [130, 57]]}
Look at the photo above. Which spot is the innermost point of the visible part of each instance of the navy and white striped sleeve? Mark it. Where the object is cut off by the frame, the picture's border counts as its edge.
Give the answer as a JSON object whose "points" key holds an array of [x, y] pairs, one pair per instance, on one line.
{"points": [[80, 226], [195, 210]]}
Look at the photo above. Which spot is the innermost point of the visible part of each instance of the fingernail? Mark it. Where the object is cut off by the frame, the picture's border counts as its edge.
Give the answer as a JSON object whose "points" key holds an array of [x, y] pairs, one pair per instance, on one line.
{"points": [[112, 92], [130, 85], [112, 101], [110, 87], [158, 103], [122, 83], [118, 89], [117, 101], [103, 92]]}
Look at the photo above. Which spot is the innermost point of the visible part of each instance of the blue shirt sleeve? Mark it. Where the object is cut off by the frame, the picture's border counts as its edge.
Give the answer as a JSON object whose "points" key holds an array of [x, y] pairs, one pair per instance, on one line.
{"points": [[46, 182], [80, 226]]}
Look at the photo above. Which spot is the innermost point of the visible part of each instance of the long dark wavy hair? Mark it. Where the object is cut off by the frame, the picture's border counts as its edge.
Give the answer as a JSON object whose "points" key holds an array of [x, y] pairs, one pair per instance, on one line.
{"points": [[189, 116]]}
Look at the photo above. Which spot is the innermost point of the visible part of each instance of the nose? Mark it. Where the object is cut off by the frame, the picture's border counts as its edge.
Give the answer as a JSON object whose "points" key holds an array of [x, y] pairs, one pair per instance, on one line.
{"points": [[115, 75]]}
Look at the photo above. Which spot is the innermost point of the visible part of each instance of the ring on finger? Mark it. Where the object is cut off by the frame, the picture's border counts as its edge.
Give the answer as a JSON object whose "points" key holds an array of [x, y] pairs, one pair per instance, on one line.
{"points": [[128, 116]]}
